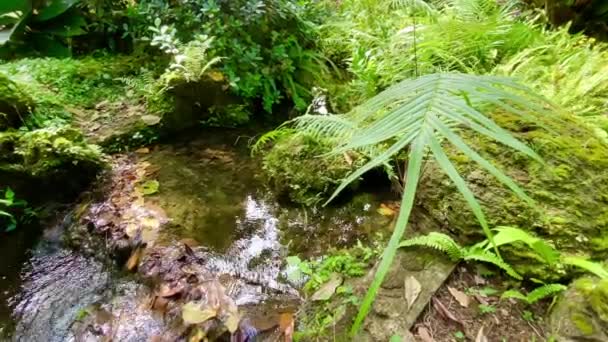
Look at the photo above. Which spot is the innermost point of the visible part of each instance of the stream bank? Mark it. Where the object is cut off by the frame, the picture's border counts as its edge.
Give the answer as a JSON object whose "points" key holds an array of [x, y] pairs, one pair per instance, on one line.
{"points": [[184, 217]]}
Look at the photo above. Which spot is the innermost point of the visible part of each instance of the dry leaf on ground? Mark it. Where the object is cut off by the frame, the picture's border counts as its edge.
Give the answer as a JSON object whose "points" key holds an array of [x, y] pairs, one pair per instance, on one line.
{"points": [[444, 312], [195, 313], [460, 297], [424, 335], [412, 290], [481, 337]]}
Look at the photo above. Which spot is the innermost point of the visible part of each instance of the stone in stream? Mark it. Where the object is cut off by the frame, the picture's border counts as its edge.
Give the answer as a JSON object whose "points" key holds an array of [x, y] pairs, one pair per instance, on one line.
{"points": [[581, 312]]}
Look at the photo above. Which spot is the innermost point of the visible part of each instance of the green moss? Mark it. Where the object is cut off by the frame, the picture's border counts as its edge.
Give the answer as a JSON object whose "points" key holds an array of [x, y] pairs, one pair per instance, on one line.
{"points": [[49, 154], [596, 295], [15, 104], [78, 82], [571, 206], [297, 168], [582, 323]]}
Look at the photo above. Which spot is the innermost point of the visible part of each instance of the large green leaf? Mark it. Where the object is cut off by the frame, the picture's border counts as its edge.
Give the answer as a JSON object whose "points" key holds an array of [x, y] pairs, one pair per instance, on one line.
{"points": [[53, 8], [68, 25], [17, 28], [416, 156]]}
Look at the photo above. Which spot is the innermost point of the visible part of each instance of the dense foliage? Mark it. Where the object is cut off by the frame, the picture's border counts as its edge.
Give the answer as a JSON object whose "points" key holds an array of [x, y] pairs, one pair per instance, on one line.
{"points": [[455, 101]]}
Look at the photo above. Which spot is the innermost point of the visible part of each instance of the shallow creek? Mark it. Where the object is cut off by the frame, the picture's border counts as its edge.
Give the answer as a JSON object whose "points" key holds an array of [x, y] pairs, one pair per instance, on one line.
{"points": [[210, 193]]}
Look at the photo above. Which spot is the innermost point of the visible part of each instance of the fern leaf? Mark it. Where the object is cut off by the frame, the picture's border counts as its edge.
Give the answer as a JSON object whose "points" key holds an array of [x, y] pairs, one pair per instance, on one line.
{"points": [[438, 241], [514, 294], [536, 294], [491, 258], [509, 235], [587, 265], [544, 291]]}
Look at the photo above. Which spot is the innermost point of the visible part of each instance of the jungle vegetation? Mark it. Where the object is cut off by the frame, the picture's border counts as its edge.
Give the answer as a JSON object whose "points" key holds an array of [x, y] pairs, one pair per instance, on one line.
{"points": [[405, 84]]}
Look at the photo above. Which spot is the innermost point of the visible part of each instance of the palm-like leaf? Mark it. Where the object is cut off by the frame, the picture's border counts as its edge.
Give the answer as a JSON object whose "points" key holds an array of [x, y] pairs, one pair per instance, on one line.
{"points": [[421, 114]]}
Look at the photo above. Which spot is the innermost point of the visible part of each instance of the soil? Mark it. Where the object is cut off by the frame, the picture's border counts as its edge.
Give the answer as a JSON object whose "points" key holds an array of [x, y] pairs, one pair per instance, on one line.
{"points": [[445, 319]]}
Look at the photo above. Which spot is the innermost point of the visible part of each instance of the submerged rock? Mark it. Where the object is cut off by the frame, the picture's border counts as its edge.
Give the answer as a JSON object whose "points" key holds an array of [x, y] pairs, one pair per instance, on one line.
{"points": [[581, 313], [15, 104], [570, 190]]}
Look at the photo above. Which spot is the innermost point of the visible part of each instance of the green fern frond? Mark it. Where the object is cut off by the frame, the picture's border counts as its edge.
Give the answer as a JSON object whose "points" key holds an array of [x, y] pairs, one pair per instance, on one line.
{"points": [[587, 265], [270, 137], [536, 294], [491, 258], [438, 241], [509, 235]]}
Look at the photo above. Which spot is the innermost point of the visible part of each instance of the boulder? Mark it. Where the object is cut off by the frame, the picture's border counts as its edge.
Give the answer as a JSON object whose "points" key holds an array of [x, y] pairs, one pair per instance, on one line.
{"points": [[40, 161], [296, 169], [581, 312], [570, 189]]}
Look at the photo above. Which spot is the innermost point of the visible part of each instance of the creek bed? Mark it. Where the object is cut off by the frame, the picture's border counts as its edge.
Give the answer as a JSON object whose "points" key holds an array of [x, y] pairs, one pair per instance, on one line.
{"points": [[211, 194]]}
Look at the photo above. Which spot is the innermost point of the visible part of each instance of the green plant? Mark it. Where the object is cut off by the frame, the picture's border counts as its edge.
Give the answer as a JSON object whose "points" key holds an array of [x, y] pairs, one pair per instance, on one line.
{"points": [[536, 294], [528, 316], [9, 202], [446, 244], [568, 69], [482, 251], [419, 115], [266, 46], [44, 27], [485, 309]]}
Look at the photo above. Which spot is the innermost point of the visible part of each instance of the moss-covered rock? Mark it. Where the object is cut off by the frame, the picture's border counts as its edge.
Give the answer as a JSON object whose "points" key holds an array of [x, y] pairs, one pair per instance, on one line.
{"points": [[296, 168], [15, 104], [581, 313], [570, 190], [51, 158]]}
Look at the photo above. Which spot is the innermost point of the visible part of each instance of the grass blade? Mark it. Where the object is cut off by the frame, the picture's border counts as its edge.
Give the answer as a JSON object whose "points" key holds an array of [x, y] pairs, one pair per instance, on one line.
{"points": [[411, 184]]}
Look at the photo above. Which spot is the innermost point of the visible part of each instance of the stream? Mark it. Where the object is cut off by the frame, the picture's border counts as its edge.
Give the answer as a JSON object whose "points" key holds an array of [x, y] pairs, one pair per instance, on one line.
{"points": [[211, 193]]}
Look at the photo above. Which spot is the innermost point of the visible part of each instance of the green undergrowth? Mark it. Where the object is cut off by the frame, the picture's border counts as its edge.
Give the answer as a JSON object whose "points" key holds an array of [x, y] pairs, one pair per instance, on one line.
{"points": [[44, 153], [67, 87], [327, 287]]}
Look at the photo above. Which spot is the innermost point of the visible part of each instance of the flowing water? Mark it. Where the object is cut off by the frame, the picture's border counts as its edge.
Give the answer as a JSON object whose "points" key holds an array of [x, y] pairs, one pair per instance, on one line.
{"points": [[210, 191]]}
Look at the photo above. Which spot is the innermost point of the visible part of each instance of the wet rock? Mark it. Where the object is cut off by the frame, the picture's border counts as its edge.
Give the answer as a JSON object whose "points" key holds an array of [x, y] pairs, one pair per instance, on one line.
{"points": [[390, 314], [15, 104], [581, 312], [570, 190]]}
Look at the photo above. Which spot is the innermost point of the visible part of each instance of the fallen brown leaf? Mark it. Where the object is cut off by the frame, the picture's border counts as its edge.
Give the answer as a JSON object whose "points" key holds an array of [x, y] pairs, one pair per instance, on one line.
{"points": [[481, 337], [460, 297], [444, 312], [134, 259], [424, 335], [286, 326], [169, 290], [481, 299], [412, 290], [143, 150]]}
